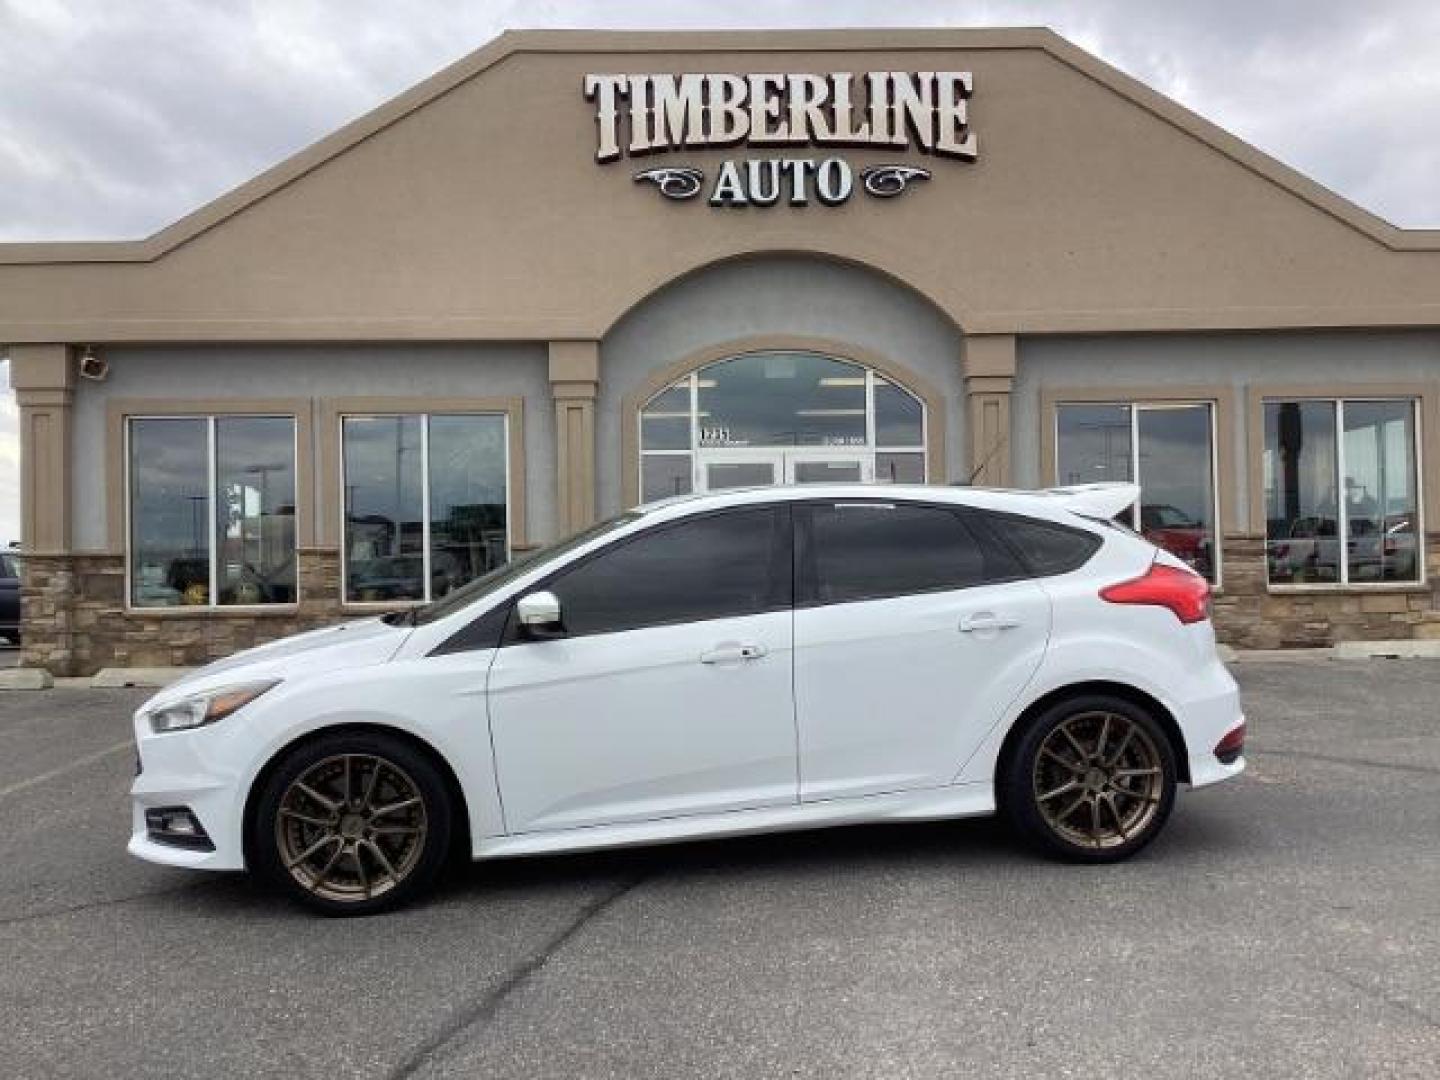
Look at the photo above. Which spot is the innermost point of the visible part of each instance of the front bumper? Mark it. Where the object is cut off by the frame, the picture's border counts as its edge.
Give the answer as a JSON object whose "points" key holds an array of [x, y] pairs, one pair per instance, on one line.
{"points": [[187, 769]]}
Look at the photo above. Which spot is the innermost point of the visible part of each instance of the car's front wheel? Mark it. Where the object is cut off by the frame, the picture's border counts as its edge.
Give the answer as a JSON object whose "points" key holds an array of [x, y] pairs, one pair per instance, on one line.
{"points": [[352, 823], [1092, 779]]}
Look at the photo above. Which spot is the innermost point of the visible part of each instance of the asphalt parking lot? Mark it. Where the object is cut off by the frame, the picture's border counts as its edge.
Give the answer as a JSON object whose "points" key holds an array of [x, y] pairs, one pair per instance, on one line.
{"points": [[1285, 925]]}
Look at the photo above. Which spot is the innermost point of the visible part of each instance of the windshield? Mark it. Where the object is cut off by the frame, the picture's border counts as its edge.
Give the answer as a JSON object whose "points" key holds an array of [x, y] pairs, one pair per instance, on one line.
{"points": [[502, 575]]}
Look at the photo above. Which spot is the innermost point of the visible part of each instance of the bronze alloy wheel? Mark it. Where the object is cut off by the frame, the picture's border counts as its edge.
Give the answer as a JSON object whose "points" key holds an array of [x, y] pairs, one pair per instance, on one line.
{"points": [[351, 827], [1098, 779]]}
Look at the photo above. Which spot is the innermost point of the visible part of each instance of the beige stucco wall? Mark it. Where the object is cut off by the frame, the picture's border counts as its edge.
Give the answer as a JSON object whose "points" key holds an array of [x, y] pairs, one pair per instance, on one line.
{"points": [[472, 208]]}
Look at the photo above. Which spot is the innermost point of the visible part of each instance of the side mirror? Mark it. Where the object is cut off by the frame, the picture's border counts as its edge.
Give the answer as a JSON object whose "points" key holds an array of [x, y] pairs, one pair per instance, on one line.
{"points": [[539, 615]]}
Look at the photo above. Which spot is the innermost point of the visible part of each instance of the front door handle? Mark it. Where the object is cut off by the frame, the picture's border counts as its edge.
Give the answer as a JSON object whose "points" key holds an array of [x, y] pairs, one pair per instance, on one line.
{"points": [[732, 652], [987, 622]]}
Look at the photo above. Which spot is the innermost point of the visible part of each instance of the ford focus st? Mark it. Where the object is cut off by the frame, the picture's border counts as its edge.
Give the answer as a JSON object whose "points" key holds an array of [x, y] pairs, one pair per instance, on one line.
{"points": [[715, 665]]}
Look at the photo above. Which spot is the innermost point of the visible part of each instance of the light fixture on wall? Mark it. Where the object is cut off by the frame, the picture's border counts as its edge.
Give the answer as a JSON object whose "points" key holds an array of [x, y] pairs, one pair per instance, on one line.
{"points": [[92, 366]]}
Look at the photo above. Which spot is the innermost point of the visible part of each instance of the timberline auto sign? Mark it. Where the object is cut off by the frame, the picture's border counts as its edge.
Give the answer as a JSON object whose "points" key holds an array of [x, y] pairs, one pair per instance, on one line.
{"points": [[640, 115]]}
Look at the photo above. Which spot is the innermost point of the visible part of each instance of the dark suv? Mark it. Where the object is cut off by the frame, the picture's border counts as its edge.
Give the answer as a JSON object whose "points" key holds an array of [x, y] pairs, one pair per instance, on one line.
{"points": [[9, 598]]}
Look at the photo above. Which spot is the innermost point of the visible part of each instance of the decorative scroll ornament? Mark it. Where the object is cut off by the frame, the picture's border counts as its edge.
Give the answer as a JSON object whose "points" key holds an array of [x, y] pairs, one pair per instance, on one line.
{"points": [[674, 181], [887, 181]]}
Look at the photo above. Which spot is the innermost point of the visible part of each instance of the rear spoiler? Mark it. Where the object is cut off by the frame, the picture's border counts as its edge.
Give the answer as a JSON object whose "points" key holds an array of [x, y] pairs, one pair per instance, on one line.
{"points": [[1101, 501]]}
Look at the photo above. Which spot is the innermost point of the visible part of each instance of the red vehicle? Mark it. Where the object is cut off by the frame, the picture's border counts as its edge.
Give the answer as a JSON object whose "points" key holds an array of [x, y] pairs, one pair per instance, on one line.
{"points": [[1171, 528]]}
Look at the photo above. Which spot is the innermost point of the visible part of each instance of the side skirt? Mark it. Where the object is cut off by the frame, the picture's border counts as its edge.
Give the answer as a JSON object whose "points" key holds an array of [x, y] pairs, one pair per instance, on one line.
{"points": [[930, 804]]}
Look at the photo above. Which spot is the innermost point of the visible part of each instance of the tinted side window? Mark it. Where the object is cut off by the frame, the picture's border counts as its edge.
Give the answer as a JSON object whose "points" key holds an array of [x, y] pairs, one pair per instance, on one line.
{"points": [[723, 565], [1047, 548], [865, 551]]}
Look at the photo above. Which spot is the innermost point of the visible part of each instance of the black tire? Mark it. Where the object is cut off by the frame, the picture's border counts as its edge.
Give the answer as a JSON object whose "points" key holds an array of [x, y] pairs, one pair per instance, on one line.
{"points": [[357, 882], [1032, 782]]}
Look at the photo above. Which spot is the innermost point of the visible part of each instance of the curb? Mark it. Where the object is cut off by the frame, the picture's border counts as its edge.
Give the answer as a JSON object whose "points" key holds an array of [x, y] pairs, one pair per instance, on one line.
{"points": [[26, 679], [1401, 649], [115, 678], [105, 679]]}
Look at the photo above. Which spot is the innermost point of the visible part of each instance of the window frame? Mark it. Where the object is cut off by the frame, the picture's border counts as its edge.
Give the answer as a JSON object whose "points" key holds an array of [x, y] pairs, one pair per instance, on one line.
{"points": [[341, 414], [127, 420], [786, 528], [1337, 402], [1135, 401]]}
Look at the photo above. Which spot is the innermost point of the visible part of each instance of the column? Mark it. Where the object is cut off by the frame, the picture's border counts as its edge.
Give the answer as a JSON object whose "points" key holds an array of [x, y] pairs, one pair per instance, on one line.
{"points": [[574, 382], [989, 370], [43, 378]]}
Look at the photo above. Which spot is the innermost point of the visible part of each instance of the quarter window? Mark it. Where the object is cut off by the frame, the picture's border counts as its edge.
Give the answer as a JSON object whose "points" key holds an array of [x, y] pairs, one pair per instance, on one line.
{"points": [[1341, 502], [1047, 548], [426, 503], [867, 551], [211, 510], [1168, 449], [714, 567]]}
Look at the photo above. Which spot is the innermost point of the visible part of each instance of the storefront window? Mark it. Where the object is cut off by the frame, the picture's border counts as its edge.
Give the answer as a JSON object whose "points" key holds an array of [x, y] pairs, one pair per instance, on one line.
{"points": [[780, 417], [782, 399], [1341, 510], [212, 511], [1168, 450], [667, 437], [1093, 444], [255, 509], [426, 503]]}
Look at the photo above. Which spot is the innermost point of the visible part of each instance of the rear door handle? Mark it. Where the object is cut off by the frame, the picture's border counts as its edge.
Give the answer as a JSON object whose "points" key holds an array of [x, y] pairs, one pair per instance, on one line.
{"points": [[987, 621], [732, 652]]}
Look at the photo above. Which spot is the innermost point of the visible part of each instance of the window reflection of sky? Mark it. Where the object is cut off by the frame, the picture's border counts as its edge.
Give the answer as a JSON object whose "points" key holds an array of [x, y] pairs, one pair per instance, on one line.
{"points": [[782, 399], [173, 494], [1166, 450], [385, 532]]}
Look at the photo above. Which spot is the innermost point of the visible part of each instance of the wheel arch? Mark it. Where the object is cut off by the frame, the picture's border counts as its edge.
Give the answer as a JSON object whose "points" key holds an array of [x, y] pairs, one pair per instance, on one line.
{"points": [[1163, 716], [460, 811]]}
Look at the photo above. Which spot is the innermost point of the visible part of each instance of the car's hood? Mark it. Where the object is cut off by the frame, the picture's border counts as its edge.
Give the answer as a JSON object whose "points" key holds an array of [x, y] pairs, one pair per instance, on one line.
{"points": [[346, 645]]}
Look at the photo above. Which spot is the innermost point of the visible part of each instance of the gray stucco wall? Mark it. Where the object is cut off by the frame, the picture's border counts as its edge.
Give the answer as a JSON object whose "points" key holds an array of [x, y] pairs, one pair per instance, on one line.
{"points": [[798, 296], [1234, 360], [423, 370]]}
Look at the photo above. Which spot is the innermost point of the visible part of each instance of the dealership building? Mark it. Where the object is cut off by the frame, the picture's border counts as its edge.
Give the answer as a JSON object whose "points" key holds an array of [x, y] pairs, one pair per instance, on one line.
{"points": [[576, 271]]}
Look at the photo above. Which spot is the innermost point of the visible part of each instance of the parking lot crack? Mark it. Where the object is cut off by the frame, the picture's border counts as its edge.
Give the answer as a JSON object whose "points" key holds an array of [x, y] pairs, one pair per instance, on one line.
{"points": [[56, 913], [513, 980]]}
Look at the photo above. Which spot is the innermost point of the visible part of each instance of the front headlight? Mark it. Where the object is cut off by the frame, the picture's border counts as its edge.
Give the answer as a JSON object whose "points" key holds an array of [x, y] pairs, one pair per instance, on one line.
{"points": [[206, 708]]}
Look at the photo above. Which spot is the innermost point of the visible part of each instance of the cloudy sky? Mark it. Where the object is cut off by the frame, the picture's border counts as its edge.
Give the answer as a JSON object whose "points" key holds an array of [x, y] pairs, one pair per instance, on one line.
{"points": [[118, 116]]}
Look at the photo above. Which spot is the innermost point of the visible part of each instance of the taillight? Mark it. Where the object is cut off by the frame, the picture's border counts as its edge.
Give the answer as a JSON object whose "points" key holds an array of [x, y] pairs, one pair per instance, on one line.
{"points": [[1184, 592]]}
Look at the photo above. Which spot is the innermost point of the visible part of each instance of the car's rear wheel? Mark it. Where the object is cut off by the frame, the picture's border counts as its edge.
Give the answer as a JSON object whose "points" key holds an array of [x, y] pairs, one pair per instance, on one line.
{"points": [[1092, 779], [352, 823]]}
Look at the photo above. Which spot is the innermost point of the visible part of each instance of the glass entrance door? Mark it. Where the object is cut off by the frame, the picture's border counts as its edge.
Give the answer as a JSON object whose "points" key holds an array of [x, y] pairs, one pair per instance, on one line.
{"points": [[739, 420], [811, 467], [761, 468], [721, 471]]}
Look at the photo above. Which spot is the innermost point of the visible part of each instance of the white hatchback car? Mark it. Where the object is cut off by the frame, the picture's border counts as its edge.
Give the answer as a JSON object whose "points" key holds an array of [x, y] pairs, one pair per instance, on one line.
{"points": [[743, 662]]}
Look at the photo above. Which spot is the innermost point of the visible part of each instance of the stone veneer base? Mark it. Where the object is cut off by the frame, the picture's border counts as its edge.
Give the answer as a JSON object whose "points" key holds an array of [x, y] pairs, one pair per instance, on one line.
{"points": [[75, 620]]}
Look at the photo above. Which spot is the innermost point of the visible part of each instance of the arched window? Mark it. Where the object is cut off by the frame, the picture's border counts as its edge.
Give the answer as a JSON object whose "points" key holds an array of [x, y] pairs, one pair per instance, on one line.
{"points": [[779, 417]]}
